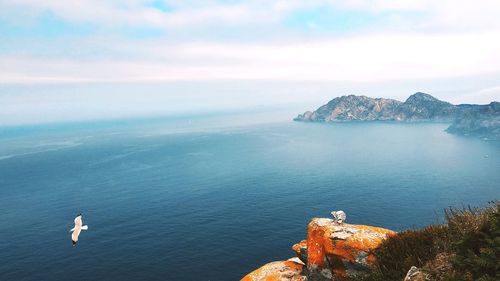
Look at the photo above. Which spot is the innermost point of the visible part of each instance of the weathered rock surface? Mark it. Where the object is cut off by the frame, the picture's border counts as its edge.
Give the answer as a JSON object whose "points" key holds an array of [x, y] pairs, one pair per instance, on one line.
{"points": [[300, 250], [278, 271], [424, 107], [466, 119], [331, 252], [352, 108], [341, 250]]}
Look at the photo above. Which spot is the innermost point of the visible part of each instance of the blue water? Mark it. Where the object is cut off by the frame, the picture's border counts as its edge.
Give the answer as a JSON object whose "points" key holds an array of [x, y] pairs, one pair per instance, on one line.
{"points": [[169, 200]]}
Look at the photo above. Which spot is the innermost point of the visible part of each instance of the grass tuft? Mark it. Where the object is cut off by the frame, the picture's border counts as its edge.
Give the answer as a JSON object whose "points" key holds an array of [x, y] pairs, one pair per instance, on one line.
{"points": [[466, 247]]}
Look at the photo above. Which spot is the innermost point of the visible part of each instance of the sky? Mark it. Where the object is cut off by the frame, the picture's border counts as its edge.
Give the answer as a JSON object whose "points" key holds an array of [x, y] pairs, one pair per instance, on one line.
{"points": [[76, 60]]}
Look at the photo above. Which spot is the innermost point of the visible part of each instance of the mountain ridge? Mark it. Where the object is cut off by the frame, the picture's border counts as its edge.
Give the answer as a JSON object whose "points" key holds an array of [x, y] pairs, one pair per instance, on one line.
{"points": [[465, 119]]}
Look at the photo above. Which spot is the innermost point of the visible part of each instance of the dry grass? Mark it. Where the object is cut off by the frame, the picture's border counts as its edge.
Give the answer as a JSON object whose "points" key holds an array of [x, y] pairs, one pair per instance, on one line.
{"points": [[466, 247]]}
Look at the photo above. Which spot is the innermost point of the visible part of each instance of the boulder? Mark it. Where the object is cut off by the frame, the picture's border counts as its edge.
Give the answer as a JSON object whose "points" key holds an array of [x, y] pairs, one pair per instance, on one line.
{"points": [[341, 250], [278, 271], [332, 251]]}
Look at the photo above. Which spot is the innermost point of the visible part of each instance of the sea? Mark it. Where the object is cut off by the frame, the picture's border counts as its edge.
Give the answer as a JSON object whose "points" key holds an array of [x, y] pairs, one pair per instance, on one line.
{"points": [[215, 196]]}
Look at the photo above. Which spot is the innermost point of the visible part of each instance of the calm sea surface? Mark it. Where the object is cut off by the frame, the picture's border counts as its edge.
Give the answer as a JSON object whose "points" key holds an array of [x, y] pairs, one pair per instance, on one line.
{"points": [[181, 200]]}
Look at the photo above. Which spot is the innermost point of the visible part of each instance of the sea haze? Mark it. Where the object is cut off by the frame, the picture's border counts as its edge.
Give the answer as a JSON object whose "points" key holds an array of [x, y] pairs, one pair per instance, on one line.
{"points": [[214, 197]]}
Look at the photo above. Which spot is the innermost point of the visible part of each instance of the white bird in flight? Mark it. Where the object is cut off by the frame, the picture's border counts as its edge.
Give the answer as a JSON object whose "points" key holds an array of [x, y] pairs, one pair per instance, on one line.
{"points": [[77, 229]]}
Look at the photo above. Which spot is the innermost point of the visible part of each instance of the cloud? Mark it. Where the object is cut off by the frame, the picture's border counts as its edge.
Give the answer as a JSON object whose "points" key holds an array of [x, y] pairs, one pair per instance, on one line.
{"points": [[375, 57], [452, 15], [255, 20], [136, 13], [404, 45]]}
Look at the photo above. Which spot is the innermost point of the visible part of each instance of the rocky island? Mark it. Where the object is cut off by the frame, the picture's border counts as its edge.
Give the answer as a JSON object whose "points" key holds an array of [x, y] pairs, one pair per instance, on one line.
{"points": [[465, 119]]}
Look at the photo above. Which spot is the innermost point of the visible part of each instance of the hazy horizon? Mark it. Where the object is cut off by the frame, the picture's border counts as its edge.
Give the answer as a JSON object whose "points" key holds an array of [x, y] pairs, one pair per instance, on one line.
{"points": [[89, 60], [45, 104]]}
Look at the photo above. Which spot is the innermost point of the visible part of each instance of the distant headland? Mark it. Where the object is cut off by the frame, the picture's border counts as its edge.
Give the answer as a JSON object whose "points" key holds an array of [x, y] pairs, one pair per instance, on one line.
{"points": [[466, 119]]}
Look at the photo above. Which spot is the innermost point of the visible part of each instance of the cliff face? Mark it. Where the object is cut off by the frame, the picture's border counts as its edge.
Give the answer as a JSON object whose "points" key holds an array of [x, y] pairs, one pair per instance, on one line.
{"points": [[424, 107], [478, 120], [481, 121], [331, 251], [353, 108], [418, 107], [341, 250]]}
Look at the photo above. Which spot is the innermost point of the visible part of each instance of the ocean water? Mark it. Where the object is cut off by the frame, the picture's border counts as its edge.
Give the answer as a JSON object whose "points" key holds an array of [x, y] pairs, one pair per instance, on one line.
{"points": [[194, 199]]}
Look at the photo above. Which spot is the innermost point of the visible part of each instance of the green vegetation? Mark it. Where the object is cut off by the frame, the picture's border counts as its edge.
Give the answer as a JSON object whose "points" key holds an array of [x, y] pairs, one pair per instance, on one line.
{"points": [[465, 248]]}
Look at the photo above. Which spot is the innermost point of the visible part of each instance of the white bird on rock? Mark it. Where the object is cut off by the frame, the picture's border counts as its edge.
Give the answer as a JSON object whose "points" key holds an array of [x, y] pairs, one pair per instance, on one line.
{"points": [[77, 229], [339, 216]]}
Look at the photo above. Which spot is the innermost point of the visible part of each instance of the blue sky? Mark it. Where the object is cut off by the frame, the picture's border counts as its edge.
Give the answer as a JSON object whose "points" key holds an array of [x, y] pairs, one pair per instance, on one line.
{"points": [[71, 53]]}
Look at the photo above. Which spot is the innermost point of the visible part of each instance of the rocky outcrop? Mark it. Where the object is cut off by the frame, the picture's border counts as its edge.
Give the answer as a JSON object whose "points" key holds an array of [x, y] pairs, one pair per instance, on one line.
{"points": [[424, 107], [341, 250], [466, 119], [331, 252], [352, 108], [300, 250], [418, 107], [278, 271]]}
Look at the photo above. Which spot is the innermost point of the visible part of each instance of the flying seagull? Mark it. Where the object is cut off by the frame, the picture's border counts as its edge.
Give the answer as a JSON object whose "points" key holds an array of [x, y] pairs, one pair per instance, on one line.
{"points": [[77, 229]]}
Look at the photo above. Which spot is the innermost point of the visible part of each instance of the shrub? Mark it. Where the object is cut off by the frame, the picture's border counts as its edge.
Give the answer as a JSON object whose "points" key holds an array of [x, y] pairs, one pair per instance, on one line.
{"points": [[411, 247], [477, 253], [466, 247]]}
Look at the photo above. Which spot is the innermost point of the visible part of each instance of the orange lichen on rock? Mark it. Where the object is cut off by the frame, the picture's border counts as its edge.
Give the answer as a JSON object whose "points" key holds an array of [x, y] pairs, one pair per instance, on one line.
{"points": [[278, 271], [341, 250], [331, 252], [300, 250]]}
